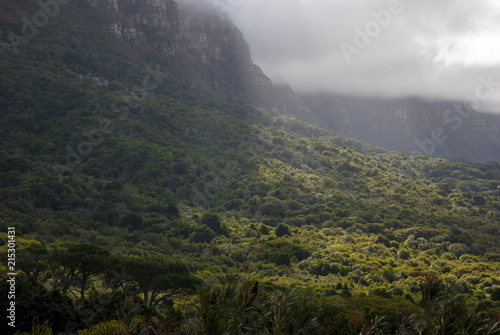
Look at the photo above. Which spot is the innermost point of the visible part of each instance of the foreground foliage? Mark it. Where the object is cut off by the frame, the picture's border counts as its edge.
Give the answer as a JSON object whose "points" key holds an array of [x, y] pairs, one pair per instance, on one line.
{"points": [[243, 307]]}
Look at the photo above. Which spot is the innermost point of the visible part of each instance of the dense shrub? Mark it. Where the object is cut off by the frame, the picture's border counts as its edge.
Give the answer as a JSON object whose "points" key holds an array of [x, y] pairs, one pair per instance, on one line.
{"points": [[282, 230]]}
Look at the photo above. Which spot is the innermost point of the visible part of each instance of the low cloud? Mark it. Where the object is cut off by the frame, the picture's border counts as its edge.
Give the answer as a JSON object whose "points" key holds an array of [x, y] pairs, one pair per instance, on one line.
{"points": [[424, 48]]}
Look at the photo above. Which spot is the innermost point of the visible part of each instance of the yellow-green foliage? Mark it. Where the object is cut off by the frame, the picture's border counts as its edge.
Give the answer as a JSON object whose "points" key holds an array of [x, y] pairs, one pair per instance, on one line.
{"points": [[38, 328], [106, 328]]}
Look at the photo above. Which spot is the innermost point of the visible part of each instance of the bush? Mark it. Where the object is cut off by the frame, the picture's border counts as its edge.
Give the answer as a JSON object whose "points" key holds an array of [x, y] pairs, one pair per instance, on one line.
{"points": [[202, 234], [263, 229], [101, 307], [132, 221], [478, 200], [281, 259], [105, 328], [495, 295], [299, 251], [381, 292], [458, 249], [282, 230], [172, 211], [403, 254], [213, 221]]}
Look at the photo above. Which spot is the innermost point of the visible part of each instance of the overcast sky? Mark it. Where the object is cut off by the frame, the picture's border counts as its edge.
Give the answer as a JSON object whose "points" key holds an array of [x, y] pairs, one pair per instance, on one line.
{"points": [[432, 48]]}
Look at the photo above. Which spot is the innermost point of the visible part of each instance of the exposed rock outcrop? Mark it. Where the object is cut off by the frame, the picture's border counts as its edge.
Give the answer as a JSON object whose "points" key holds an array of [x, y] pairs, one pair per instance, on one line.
{"points": [[193, 30]]}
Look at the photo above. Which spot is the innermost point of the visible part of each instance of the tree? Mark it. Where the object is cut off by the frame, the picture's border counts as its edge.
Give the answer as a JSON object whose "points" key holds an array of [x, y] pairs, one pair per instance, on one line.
{"points": [[34, 300], [77, 264], [32, 260], [157, 279]]}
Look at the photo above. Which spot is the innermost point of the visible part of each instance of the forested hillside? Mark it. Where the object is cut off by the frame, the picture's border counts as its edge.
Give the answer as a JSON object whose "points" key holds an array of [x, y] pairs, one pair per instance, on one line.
{"points": [[142, 196], [407, 125]]}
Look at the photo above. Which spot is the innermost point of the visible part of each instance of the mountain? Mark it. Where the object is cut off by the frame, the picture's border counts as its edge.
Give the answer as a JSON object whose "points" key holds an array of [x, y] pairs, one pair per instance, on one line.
{"points": [[152, 176], [205, 43], [410, 125]]}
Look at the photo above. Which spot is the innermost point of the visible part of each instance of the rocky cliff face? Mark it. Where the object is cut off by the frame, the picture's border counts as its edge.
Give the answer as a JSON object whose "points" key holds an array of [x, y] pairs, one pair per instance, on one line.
{"points": [[204, 46], [194, 31], [410, 125]]}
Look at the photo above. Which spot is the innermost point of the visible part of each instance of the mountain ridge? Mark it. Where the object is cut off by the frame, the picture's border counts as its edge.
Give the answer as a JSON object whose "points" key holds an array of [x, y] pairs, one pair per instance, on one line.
{"points": [[410, 125], [221, 60]]}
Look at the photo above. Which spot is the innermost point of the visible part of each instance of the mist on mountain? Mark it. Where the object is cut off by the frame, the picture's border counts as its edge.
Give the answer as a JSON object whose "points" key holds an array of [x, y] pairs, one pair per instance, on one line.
{"points": [[376, 48]]}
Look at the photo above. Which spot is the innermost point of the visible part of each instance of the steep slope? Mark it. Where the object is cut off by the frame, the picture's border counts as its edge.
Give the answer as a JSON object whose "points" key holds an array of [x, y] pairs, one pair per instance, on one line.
{"points": [[204, 44], [410, 125]]}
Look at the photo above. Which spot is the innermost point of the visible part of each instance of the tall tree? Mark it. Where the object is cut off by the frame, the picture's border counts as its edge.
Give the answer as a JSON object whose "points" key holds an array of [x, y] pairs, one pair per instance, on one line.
{"points": [[158, 279], [32, 260], [75, 266]]}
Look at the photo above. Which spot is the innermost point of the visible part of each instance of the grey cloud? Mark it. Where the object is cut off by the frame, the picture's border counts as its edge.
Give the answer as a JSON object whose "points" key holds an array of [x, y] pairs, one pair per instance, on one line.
{"points": [[423, 51]]}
